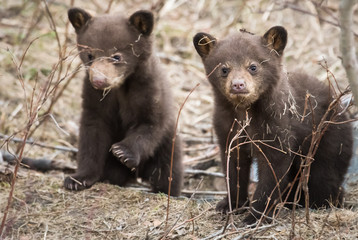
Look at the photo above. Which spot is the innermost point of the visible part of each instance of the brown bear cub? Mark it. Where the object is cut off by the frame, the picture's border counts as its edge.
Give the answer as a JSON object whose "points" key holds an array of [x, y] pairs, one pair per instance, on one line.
{"points": [[127, 123], [250, 86]]}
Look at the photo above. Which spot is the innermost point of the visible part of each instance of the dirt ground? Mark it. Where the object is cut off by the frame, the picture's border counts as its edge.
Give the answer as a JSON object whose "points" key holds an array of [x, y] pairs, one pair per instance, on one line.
{"points": [[37, 44]]}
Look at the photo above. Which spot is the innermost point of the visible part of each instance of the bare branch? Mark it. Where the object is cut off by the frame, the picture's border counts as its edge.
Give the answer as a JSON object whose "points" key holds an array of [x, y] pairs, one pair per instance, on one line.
{"points": [[348, 50], [173, 146]]}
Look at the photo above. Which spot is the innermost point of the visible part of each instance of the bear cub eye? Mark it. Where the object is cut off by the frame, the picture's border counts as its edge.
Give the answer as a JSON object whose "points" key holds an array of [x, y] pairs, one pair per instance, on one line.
{"points": [[253, 68], [90, 57], [225, 71], [116, 58]]}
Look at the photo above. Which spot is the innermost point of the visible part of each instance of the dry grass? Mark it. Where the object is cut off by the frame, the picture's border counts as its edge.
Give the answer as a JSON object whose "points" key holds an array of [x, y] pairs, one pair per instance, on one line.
{"points": [[43, 209]]}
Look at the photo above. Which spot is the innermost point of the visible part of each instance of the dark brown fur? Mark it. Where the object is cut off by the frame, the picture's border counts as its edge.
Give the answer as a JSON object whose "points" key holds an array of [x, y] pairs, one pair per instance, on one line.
{"points": [[127, 122], [247, 78]]}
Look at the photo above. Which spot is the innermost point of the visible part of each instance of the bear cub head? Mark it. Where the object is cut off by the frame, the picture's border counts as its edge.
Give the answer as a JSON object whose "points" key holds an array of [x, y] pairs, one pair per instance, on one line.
{"points": [[243, 67], [111, 46]]}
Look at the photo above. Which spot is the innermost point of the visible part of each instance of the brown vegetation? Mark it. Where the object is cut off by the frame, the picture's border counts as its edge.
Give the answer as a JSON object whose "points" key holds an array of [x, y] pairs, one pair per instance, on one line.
{"points": [[41, 80]]}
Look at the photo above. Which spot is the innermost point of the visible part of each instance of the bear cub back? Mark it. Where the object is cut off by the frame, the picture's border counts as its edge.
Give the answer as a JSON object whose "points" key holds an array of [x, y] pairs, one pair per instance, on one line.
{"points": [[127, 122], [281, 111]]}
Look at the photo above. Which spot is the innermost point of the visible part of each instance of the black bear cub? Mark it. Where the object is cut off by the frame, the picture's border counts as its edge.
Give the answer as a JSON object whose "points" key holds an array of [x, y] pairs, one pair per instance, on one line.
{"points": [[127, 121], [250, 86]]}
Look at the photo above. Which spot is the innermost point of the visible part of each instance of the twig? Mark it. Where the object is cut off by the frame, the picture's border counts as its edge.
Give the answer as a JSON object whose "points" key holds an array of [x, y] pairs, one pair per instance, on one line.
{"points": [[35, 20], [32, 115], [26, 130], [236, 137], [208, 156], [53, 26], [103, 233], [324, 224], [329, 73], [243, 235], [202, 172], [187, 192], [172, 154], [109, 6], [278, 181], [294, 7], [33, 107], [347, 46], [58, 68], [40, 164], [316, 136], [32, 142], [200, 148], [184, 191], [186, 205]]}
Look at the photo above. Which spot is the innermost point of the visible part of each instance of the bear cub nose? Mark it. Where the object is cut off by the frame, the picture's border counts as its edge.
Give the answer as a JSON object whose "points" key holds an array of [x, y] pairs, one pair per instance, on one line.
{"points": [[100, 82], [238, 86]]}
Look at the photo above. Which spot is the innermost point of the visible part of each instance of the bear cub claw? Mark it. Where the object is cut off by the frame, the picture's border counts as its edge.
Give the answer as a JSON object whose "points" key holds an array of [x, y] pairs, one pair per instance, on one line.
{"points": [[125, 155], [78, 183]]}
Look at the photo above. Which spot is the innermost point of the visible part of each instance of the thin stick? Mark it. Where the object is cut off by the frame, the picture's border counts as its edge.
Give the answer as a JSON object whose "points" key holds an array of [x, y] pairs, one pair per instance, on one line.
{"points": [[303, 11], [347, 45], [109, 6], [172, 154], [13, 180], [58, 68], [247, 123], [186, 205], [32, 116]]}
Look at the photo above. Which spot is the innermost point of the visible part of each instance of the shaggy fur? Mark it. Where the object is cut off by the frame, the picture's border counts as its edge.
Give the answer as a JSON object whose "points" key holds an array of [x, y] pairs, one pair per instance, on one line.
{"points": [[248, 83], [127, 122]]}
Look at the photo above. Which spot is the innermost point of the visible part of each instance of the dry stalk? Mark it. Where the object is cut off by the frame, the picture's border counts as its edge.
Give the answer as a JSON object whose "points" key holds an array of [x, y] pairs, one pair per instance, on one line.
{"points": [[330, 74], [244, 233], [33, 107], [324, 224], [208, 156], [255, 143], [36, 102], [347, 46], [174, 226], [173, 146], [294, 7], [58, 69], [109, 6], [228, 151], [316, 136], [36, 18], [6, 211], [238, 176], [274, 174]]}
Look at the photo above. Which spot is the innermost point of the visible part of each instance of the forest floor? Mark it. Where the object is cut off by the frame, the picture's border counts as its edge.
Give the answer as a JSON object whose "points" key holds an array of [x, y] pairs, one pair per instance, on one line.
{"points": [[38, 44]]}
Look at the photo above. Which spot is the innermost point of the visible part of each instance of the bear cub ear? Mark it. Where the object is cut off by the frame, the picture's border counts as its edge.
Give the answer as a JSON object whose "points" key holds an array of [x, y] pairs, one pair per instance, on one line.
{"points": [[78, 18], [276, 38], [204, 43], [143, 21]]}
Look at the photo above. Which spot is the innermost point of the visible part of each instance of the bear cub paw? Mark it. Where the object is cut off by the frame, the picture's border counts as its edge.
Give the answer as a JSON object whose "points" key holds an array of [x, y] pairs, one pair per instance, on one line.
{"points": [[223, 206], [79, 183], [127, 157]]}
